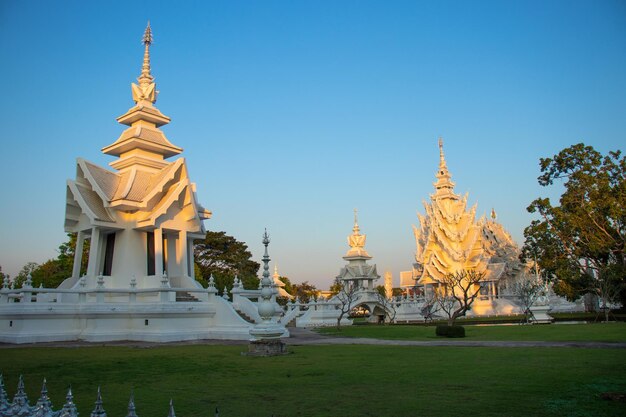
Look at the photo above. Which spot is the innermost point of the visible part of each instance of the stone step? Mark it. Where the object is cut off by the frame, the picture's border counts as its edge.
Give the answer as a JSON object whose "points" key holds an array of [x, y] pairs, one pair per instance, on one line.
{"points": [[245, 317], [184, 296]]}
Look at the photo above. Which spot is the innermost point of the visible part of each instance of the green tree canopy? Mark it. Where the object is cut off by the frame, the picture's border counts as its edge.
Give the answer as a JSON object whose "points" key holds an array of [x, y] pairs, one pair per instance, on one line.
{"points": [[305, 291], [289, 287], [224, 257], [53, 272], [579, 244]]}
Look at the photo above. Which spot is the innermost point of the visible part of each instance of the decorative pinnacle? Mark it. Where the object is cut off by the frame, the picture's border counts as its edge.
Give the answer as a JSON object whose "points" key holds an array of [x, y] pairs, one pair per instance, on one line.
{"points": [[44, 388], [131, 406], [98, 411], [266, 256], [356, 228], [147, 35], [146, 77], [171, 413], [442, 159]]}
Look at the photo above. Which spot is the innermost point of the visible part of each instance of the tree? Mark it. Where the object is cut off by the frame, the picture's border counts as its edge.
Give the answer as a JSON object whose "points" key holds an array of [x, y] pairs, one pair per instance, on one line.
{"points": [[289, 287], [224, 257], [305, 291], [27, 269], [53, 272], [387, 303], [457, 292], [580, 244], [336, 287], [528, 289], [346, 297]]}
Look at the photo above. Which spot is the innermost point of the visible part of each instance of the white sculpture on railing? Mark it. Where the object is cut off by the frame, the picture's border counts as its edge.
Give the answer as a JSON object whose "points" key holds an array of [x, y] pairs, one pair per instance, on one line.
{"points": [[20, 406]]}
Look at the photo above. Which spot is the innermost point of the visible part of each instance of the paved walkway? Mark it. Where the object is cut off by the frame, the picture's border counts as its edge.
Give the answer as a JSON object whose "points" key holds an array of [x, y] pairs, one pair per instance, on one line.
{"points": [[303, 337]]}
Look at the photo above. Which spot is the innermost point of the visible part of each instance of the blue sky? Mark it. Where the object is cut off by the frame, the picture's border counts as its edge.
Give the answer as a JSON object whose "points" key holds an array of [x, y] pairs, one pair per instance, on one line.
{"points": [[293, 113]]}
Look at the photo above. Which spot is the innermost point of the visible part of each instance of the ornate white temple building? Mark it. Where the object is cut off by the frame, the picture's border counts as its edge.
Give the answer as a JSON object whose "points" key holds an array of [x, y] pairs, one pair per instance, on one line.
{"points": [[449, 239], [358, 273], [140, 218]]}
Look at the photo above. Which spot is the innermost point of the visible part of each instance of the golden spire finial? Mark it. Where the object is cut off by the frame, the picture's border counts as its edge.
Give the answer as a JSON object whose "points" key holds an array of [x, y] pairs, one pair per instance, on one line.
{"points": [[145, 76], [145, 92], [147, 35], [356, 239], [442, 159]]}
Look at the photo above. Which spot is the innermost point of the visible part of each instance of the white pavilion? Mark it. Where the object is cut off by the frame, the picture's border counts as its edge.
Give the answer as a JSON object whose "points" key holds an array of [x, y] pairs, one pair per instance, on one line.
{"points": [[141, 218]]}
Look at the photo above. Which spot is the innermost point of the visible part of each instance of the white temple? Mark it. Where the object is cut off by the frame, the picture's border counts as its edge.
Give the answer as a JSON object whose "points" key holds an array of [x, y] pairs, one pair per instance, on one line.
{"points": [[141, 218], [358, 272]]}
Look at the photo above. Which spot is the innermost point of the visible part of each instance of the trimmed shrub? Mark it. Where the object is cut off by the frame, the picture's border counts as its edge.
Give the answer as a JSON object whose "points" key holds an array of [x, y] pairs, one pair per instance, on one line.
{"points": [[450, 331]]}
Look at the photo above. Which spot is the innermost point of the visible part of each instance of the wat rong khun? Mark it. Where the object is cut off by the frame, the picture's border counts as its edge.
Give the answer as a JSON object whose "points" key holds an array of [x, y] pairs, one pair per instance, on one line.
{"points": [[141, 219]]}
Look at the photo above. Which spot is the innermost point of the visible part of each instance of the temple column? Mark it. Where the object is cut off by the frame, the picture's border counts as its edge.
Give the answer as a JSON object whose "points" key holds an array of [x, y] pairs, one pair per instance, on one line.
{"points": [[94, 252], [182, 254], [78, 254], [158, 252], [192, 269]]}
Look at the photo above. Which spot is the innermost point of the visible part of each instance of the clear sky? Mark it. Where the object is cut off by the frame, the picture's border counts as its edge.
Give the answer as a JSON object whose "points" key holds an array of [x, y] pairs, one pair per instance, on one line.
{"points": [[293, 113]]}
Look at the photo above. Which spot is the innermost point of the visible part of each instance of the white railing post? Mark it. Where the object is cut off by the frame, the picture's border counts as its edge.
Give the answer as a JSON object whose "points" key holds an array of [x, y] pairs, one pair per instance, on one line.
{"points": [[82, 295], [99, 289], [132, 295]]}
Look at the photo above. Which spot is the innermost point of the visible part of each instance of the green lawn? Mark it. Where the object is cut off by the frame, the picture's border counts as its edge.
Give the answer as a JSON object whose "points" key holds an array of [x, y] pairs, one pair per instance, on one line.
{"points": [[328, 380], [599, 332]]}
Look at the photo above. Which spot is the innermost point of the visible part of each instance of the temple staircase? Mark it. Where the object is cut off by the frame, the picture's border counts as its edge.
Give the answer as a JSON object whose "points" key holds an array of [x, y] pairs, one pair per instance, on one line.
{"points": [[245, 316], [185, 297]]}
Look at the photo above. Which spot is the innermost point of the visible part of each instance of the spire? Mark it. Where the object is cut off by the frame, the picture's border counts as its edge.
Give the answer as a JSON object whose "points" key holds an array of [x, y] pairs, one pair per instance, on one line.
{"points": [[442, 159], [444, 187], [356, 241], [266, 257], [69, 408], [44, 405], [494, 216], [171, 413], [131, 406], [20, 399], [276, 274], [145, 76], [98, 410], [144, 120], [4, 398], [145, 93]]}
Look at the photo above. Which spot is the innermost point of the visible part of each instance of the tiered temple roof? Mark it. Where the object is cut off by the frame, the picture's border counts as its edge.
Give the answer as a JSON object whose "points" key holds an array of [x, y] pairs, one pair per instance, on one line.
{"points": [[279, 285], [145, 183]]}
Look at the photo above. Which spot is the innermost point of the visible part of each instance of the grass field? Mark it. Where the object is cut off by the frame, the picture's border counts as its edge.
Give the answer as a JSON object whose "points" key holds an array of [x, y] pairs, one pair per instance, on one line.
{"points": [[599, 332], [327, 380]]}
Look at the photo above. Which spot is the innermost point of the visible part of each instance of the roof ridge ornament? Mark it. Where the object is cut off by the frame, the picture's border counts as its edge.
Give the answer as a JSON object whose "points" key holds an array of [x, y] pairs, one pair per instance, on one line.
{"points": [[356, 228]]}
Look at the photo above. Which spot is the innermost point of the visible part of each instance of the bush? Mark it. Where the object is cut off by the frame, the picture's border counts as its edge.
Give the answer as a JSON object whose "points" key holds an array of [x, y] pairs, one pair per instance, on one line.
{"points": [[450, 331]]}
